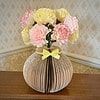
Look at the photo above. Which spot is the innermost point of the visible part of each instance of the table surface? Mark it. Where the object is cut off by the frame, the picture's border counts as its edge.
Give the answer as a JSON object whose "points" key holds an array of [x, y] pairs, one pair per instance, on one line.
{"points": [[82, 87]]}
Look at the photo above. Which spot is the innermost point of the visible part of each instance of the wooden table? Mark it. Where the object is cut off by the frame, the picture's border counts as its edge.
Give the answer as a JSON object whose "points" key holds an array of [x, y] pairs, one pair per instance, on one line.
{"points": [[82, 87]]}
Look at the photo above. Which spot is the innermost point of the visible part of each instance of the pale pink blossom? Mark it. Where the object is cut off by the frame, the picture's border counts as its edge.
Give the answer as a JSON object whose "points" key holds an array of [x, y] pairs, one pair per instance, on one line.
{"points": [[61, 33], [72, 23], [27, 19], [38, 35]]}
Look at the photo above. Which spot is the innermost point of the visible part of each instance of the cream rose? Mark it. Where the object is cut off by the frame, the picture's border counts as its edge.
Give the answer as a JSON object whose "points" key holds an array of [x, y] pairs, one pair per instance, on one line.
{"points": [[61, 14], [74, 37], [44, 15], [25, 35]]}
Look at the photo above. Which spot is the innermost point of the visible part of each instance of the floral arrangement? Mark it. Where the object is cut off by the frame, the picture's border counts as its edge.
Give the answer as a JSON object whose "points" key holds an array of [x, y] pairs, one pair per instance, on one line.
{"points": [[46, 26]]}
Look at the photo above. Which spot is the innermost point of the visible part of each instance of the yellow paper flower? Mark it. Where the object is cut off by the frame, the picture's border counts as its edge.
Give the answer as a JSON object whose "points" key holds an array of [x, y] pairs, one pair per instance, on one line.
{"points": [[74, 36], [44, 15], [25, 35], [61, 14]]}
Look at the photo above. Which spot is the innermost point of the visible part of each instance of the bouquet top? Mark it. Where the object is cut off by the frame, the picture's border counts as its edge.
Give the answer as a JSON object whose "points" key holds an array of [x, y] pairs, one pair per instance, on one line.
{"points": [[46, 26]]}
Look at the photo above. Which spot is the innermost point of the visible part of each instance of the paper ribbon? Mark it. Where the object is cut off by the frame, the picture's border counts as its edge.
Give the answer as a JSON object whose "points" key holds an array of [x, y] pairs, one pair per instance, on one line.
{"points": [[55, 53]]}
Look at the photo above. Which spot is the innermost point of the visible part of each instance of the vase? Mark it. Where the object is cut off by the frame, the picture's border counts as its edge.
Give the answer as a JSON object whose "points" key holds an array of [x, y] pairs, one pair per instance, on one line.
{"points": [[49, 75]]}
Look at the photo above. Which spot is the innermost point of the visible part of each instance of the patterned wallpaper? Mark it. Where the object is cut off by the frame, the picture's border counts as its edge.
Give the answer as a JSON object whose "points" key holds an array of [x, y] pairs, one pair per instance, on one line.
{"points": [[87, 12], [10, 12]]}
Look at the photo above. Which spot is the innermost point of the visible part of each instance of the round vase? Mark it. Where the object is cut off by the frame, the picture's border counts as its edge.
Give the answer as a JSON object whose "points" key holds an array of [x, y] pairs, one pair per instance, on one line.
{"points": [[49, 75]]}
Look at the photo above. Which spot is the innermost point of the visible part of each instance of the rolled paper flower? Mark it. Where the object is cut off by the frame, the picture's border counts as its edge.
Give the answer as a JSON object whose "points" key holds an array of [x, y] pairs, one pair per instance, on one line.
{"points": [[38, 35], [61, 33], [44, 16], [72, 23], [25, 35], [27, 19], [61, 14], [74, 37]]}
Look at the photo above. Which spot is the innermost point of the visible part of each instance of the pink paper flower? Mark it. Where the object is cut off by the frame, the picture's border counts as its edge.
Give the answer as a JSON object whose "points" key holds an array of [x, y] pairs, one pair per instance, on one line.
{"points": [[38, 35], [72, 23], [27, 19], [61, 33]]}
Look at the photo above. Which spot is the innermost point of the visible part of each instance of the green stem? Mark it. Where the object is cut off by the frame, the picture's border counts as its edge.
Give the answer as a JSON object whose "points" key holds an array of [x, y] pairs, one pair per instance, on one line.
{"points": [[48, 44], [48, 36]]}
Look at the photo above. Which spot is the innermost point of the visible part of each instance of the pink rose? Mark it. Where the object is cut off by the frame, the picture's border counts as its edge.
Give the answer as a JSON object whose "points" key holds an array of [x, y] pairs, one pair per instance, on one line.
{"points": [[72, 23], [61, 33], [38, 35], [27, 19]]}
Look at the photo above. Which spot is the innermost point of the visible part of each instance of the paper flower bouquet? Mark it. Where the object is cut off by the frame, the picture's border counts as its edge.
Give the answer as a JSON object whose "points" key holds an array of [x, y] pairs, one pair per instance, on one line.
{"points": [[43, 28]]}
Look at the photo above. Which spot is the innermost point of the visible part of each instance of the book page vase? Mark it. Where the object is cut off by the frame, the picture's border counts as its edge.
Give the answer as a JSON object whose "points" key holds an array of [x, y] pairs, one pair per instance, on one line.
{"points": [[49, 75]]}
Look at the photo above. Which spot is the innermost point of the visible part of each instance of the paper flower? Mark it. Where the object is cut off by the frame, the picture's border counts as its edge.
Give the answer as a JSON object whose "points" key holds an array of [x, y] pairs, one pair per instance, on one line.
{"points": [[74, 37], [38, 35], [25, 35], [46, 26], [61, 14], [27, 19], [72, 23], [44, 16], [61, 33]]}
